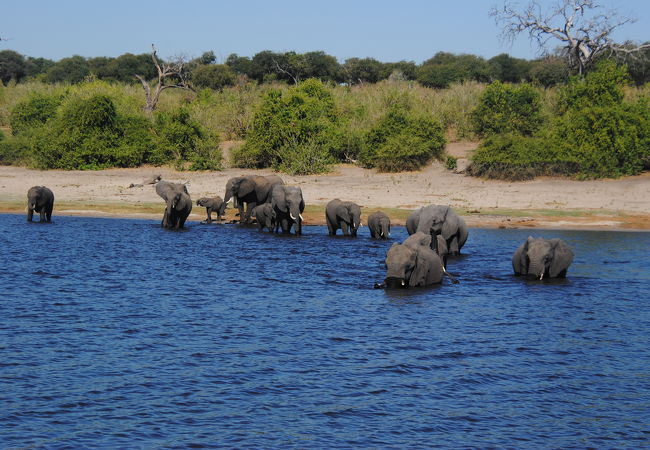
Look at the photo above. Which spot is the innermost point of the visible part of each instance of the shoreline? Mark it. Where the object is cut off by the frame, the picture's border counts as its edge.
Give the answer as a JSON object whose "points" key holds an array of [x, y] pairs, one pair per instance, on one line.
{"points": [[545, 202]]}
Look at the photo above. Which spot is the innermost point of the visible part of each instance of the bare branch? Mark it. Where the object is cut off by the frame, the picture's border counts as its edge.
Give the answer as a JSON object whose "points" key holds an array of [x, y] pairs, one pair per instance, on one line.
{"points": [[281, 70], [173, 75], [583, 30]]}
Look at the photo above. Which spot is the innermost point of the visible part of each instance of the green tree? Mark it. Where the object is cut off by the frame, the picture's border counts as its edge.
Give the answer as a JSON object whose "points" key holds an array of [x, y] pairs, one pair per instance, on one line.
{"points": [[549, 71], [213, 76], [12, 66], [69, 70], [507, 69], [362, 70], [33, 112], [446, 68]]}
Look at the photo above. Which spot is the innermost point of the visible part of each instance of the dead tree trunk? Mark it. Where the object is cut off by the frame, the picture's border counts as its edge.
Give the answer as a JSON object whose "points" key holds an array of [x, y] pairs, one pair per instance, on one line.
{"points": [[169, 76]]}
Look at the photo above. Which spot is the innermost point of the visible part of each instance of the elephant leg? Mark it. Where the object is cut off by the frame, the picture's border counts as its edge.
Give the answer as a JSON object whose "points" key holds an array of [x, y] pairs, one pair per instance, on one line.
{"points": [[209, 212], [345, 229], [42, 215], [48, 216], [453, 246], [30, 214]]}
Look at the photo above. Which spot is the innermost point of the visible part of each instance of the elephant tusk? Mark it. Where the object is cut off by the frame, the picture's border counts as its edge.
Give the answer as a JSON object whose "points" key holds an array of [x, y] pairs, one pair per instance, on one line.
{"points": [[541, 276], [403, 284], [300, 215], [291, 215]]}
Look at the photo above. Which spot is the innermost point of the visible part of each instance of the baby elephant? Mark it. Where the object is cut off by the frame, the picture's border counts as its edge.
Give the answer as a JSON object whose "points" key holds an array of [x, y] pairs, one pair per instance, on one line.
{"points": [[212, 204], [265, 216], [343, 215], [41, 200], [542, 258], [379, 225]]}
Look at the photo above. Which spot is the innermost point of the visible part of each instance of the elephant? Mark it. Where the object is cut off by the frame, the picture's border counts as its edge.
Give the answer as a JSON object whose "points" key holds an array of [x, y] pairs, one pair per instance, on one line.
{"points": [[179, 204], [343, 215], [265, 216], [153, 179], [442, 220], [413, 263], [288, 205], [212, 204], [41, 200], [252, 190], [542, 258], [379, 225]]}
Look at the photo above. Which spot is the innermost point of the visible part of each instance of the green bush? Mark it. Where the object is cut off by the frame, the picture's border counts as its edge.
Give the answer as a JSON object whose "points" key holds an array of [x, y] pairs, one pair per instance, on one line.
{"points": [[506, 108], [606, 141], [181, 138], [33, 112], [213, 76], [600, 87], [515, 157], [292, 127], [89, 134], [451, 163], [402, 140]]}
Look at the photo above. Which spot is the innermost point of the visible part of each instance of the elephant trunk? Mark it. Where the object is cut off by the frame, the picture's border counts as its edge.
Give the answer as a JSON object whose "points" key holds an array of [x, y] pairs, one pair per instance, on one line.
{"points": [[395, 283], [537, 270]]}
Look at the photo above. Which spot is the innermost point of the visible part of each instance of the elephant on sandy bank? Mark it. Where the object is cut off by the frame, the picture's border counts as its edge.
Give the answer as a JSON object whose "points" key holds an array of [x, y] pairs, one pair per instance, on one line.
{"points": [[379, 225], [179, 204], [439, 220], [542, 258], [251, 190], [210, 204], [41, 200], [343, 215], [288, 205]]}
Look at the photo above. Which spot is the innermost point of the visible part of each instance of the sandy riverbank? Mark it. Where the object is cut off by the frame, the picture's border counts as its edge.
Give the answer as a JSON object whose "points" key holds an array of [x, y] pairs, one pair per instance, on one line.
{"points": [[544, 202]]}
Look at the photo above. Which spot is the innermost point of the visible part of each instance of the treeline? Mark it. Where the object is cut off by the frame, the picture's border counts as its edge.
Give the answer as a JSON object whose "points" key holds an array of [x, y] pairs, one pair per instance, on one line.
{"points": [[439, 72]]}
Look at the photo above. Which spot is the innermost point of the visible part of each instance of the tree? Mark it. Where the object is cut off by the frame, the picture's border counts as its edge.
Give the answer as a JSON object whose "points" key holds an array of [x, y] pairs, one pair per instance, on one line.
{"points": [[69, 70], [508, 69], [170, 76], [213, 76], [12, 66], [584, 31], [362, 70]]}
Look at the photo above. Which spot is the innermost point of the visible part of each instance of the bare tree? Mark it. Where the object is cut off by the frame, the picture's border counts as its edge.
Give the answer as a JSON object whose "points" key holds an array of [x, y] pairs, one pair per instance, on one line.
{"points": [[172, 75], [582, 26]]}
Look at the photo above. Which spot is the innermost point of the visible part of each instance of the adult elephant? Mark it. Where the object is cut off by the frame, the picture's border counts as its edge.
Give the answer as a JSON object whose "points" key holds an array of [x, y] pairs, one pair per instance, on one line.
{"points": [[288, 205], [542, 258], [413, 263], [179, 204], [251, 190], [41, 200], [379, 225], [343, 215], [439, 220]]}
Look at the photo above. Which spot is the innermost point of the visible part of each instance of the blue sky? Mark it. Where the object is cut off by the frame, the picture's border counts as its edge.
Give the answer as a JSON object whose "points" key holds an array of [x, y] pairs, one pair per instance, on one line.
{"points": [[412, 30]]}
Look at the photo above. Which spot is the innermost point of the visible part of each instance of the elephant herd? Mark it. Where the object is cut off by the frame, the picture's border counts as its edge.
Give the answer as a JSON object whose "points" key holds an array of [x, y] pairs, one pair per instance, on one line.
{"points": [[435, 231]]}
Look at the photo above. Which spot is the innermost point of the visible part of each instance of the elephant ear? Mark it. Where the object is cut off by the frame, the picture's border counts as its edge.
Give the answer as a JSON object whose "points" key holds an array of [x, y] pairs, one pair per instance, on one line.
{"points": [[421, 269], [245, 187], [562, 257], [344, 213], [279, 198]]}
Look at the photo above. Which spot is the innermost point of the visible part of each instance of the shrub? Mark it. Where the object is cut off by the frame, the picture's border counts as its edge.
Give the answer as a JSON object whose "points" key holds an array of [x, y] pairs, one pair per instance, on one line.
{"points": [[505, 108], [402, 140], [600, 87], [213, 76], [606, 141], [451, 163], [299, 123], [515, 157], [33, 112]]}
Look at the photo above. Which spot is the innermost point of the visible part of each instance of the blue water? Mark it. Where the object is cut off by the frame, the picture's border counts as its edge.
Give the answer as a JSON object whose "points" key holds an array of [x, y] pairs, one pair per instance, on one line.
{"points": [[116, 333]]}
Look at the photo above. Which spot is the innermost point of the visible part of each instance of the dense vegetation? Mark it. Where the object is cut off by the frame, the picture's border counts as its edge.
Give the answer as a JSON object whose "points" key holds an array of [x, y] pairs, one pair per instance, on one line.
{"points": [[300, 113]]}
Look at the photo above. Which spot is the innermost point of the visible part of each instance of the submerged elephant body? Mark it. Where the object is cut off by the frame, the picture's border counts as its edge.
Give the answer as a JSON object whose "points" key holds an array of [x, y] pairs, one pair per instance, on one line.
{"points": [[265, 216], [179, 204], [439, 220], [211, 204], [413, 263], [251, 190], [288, 205], [379, 225], [345, 216], [542, 258], [41, 200]]}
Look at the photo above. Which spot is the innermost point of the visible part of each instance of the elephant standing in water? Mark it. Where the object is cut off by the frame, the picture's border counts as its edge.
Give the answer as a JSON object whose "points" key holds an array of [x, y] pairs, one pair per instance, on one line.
{"points": [[439, 220], [288, 205], [41, 200], [210, 204], [252, 190], [343, 215], [179, 204], [265, 216], [379, 225], [413, 263], [542, 258]]}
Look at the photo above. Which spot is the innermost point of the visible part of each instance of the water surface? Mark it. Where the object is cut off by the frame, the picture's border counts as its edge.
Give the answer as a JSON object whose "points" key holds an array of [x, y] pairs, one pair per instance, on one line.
{"points": [[114, 332]]}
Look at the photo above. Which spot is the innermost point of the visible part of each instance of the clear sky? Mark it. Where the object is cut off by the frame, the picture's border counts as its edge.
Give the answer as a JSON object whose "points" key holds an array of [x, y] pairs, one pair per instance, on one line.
{"points": [[412, 30]]}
